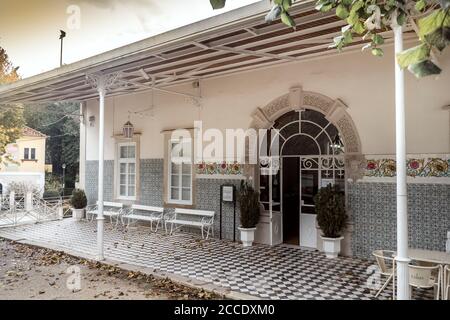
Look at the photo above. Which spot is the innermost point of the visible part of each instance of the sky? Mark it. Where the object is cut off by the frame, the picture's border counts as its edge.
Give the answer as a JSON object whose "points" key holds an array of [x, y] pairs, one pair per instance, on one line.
{"points": [[29, 29]]}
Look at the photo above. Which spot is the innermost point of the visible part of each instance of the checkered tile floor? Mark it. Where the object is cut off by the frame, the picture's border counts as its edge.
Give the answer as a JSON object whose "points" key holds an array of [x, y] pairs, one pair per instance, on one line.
{"points": [[278, 272]]}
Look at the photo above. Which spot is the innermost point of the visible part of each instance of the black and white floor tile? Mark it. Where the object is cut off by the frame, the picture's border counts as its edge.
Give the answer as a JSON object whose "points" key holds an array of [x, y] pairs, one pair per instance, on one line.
{"points": [[278, 272]]}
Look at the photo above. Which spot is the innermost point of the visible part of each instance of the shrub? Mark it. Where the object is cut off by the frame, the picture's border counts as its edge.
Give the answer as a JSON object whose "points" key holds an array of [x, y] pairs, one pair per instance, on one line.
{"points": [[249, 205], [330, 210], [78, 199]]}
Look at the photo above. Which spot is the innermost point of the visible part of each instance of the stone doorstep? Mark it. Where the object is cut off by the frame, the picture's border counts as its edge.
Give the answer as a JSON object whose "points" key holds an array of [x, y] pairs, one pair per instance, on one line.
{"points": [[186, 281]]}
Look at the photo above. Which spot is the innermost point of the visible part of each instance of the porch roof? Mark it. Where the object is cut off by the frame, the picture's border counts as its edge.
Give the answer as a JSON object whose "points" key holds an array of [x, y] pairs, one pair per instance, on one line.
{"points": [[228, 43]]}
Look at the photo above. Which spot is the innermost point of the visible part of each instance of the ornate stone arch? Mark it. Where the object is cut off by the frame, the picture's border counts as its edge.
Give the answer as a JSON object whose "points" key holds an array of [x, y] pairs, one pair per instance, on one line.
{"points": [[335, 111]]}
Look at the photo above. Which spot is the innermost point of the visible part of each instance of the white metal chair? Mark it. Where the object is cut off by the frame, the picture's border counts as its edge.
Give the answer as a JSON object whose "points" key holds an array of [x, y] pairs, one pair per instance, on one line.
{"points": [[446, 286], [426, 278], [386, 264]]}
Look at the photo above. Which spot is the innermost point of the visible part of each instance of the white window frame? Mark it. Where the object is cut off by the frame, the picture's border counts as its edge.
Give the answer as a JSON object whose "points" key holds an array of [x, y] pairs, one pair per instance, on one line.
{"points": [[180, 182], [127, 161]]}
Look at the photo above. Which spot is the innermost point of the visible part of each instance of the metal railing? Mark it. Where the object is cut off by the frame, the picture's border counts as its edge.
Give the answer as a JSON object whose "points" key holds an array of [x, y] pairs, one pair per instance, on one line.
{"points": [[18, 209]]}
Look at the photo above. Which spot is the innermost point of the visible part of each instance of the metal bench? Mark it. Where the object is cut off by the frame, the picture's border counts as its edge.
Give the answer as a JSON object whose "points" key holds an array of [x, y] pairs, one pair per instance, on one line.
{"points": [[113, 210], [191, 218], [143, 213]]}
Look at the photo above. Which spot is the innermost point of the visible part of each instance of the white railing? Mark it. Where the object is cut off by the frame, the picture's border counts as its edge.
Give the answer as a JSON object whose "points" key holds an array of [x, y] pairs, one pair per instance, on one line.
{"points": [[29, 208]]}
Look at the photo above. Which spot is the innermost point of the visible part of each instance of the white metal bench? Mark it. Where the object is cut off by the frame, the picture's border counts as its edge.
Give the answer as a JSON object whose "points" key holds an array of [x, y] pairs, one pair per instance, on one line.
{"points": [[191, 218], [113, 210], [136, 213]]}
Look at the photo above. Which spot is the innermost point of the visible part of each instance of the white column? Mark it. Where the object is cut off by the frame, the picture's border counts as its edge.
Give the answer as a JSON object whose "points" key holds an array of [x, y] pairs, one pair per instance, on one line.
{"points": [[101, 141], [102, 82], [402, 209]]}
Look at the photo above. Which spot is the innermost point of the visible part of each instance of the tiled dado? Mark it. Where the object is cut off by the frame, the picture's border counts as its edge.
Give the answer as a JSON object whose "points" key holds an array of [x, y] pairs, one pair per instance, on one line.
{"points": [[151, 191], [151, 181], [373, 210], [425, 166]]}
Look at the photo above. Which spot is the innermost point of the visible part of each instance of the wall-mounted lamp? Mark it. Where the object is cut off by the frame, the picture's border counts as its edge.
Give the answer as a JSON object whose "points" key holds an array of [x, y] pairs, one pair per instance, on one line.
{"points": [[92, 121], [128, 130]]}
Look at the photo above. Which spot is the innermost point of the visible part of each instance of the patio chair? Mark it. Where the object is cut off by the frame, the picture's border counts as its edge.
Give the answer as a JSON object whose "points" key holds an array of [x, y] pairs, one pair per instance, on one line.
{"points": [[425, 278], [446, 283], [386, 265]]}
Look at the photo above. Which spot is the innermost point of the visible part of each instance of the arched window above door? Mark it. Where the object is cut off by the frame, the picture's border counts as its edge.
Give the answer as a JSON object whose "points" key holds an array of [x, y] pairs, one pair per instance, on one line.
{"points": [[307, 132]]}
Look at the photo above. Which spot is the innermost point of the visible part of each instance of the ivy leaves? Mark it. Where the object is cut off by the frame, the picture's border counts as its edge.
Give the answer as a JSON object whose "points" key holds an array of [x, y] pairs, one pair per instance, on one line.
{"points": [[434, 32], [217, 4], [369, 19], [281, 10]]}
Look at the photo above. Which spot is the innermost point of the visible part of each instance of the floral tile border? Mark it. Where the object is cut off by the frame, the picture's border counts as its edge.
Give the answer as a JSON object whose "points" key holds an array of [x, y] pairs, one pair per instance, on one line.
{"points": [[224, 168], [416, 167]]}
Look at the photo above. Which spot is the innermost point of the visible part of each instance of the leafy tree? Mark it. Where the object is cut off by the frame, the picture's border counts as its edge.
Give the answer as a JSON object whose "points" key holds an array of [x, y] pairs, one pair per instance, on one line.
{"points": [[59, 121], [8, 73], [369, 18], [11, 119]]}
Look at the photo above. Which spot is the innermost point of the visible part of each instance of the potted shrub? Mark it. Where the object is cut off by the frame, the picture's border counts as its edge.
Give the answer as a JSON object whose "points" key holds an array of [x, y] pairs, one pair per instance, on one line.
{"points": [[331, 218], [78, 202], [249, 205]]}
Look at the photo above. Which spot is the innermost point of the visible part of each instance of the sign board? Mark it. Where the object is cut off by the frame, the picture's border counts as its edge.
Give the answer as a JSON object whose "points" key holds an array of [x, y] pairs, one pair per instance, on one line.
{"points": [[227, 193]]}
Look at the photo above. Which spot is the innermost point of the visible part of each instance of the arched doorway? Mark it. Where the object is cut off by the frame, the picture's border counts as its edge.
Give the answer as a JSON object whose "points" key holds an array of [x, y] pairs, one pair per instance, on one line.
{"points": [[313, 131], [311, 156]]}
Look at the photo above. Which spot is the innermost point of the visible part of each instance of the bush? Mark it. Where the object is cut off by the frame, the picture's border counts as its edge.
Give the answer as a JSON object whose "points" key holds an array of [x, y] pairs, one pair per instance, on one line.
{"points": [[330, 210], [249, 205], [78, 199]]}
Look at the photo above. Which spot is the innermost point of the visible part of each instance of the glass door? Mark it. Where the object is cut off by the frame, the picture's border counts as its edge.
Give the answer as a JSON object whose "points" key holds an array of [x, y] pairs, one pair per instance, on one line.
{"points": [[309, 186]]}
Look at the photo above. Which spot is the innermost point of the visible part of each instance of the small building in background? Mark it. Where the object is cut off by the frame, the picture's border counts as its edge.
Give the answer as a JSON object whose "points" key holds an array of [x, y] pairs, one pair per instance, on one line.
{"points": [[24, 161]]}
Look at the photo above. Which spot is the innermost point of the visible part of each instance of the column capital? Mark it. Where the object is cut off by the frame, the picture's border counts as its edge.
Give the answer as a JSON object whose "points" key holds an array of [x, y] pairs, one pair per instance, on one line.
{"points": [[103, 81]]}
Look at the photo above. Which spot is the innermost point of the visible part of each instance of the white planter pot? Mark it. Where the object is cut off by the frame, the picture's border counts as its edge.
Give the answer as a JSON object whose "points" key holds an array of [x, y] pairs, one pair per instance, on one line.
{"points": [[77, 214], [247, 236], [332, 246]]}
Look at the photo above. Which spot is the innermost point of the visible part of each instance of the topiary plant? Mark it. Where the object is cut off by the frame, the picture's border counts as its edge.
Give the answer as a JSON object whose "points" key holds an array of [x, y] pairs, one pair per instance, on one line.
{"points": [[249, 205], [78, 199], [330, 210]]}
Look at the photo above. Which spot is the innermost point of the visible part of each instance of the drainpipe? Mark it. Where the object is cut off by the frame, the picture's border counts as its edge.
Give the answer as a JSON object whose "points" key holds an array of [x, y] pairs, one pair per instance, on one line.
{"points": [[402, 208]]}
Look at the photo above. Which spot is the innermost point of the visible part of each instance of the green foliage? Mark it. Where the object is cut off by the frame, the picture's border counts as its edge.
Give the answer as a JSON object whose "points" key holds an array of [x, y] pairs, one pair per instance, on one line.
{"points": [[59, 121], [8, 73], [330, 210], [370, 18], [11, 118], [78, 199], [217, 4], [249, 205]]}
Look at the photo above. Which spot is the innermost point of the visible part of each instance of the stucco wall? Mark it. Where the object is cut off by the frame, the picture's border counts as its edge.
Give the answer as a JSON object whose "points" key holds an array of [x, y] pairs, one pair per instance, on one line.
{"points": [[364, 83]]}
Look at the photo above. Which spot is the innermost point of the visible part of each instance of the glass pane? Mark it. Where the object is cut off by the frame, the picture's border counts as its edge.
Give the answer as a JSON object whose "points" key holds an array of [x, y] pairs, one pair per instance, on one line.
{"points": [[131, 179], [310, 186], [123, 168], [123, 190], [175, 194], [186, 194], [175, 168], [131, 168], [175, 181], [186, 181], [186, 168], [131, 152], [123, 179], [187, 149], [131, 191], [123, 152]]}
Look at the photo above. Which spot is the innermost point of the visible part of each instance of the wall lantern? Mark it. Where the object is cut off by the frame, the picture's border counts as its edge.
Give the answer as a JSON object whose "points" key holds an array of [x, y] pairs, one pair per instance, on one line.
{"points": [[128, 130]]}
